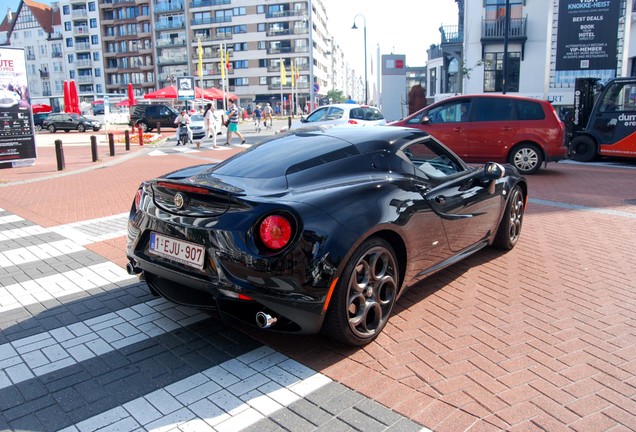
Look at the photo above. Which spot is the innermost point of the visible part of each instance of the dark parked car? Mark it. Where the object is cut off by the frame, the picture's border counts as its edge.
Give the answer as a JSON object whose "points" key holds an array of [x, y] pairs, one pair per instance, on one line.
{"points": [[38, 119], [148, 116], [319, 230], [68, 122], [524, 132]]}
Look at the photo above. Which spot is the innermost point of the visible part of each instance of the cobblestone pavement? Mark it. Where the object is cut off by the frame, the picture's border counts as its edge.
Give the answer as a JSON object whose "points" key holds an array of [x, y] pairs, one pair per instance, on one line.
{"points": [[540, 338]]}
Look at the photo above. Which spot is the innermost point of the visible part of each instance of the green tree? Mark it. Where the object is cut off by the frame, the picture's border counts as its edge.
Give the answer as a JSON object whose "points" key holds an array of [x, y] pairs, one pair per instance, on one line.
{"points": [[336, 96]]}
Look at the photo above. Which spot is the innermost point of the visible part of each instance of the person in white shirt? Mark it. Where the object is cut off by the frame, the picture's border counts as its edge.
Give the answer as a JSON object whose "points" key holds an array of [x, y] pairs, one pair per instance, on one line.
{"points": [[209, 125]]}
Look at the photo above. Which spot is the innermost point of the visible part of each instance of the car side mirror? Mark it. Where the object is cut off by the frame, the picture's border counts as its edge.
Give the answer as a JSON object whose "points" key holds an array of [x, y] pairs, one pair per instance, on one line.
{"points": [[425, 120], [303, 119], [493, 172]]}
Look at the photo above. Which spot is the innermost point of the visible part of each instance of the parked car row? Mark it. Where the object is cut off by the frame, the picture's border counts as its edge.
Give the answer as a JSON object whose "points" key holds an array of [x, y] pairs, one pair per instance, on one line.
{"points": [[523, 132]]}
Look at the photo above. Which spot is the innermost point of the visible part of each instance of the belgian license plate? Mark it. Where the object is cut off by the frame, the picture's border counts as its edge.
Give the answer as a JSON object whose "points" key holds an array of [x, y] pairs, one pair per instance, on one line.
{"points": [[177, 250]]}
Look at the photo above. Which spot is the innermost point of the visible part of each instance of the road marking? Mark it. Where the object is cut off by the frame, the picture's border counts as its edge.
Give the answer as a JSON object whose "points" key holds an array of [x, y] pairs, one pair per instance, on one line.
{"points": [[34, 291], [38, 252], [94, 230], [53, 350], [10, 219]]}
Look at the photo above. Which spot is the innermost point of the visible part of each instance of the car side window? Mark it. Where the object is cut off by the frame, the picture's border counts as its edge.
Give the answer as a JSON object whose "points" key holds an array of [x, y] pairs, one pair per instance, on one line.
{"points": [[318, 115], [529, 111], [432, 161], [371, 114], [451, 112], [493, 109], [335, 113]]}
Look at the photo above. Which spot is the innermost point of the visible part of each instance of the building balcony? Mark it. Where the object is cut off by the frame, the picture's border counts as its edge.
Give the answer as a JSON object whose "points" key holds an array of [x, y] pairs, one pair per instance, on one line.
{"points": [[56, 54], [452, 34], [167, 7], [46, 92], [172, 60], [84, 46], [211, 20], [208, 3], [160, 43], [82, 30], [30, 56], [169, 25], [85, 79], [434, 52], [217, 37], [83, 63], [55, 36], [494, 30], [142, 18], [79, 13], [44, 74], [287, 14], [287, 50]]}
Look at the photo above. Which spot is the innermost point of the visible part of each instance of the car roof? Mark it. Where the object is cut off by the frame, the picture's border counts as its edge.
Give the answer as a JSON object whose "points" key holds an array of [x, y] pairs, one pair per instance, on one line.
{"points": [[491, 96]]}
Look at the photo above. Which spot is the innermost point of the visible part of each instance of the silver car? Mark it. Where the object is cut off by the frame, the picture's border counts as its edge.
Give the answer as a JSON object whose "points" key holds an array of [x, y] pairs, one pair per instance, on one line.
{"points": [[342, 114]]}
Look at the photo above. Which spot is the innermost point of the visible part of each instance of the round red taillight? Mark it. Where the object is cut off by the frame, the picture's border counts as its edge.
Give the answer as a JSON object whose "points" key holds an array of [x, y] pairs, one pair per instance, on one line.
{"points": [[140, 193], [275, 232]]}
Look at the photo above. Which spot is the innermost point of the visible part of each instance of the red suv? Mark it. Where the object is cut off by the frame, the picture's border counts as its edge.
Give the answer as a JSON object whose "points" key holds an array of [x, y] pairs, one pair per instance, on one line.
{"points": [[521, 131]]}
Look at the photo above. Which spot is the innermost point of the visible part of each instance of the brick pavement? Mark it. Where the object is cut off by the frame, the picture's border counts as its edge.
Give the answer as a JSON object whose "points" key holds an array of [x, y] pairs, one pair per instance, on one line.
{"points": [[540, 338]]}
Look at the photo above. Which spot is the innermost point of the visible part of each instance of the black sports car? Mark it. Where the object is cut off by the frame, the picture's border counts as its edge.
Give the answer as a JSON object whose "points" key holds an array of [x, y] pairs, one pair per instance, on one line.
{"points": [[319, 229]]}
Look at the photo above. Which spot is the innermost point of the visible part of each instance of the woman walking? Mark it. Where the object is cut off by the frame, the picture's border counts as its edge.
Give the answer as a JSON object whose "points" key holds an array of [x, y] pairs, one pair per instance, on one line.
{"points": [[233, 116], [209, 125]]}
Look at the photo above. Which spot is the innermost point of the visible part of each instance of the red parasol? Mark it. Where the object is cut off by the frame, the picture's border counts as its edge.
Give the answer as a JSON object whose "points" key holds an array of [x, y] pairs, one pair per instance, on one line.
{"points": [[41, 108], [170, 92], [124, 103], [67, 97], [74, 99], [131, 96]]}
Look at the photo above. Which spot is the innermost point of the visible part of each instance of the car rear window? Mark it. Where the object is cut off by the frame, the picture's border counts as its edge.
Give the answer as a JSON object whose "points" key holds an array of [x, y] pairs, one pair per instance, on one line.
{"points": [[527, 110], [371, 114]]}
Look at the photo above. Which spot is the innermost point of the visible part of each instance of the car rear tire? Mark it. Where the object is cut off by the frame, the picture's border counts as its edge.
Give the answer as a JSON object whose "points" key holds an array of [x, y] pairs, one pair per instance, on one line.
{"points": [[38, 128], [510, 226], [526, 158], [364, 295], [81, 128], [583, 149], [144, 127], [51, 128]]}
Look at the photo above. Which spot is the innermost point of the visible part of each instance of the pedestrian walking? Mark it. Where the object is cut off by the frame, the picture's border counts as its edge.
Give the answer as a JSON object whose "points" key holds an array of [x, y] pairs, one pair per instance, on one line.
{"points": [[209, 125], [233, 116], [258, 113], [267, 115]]}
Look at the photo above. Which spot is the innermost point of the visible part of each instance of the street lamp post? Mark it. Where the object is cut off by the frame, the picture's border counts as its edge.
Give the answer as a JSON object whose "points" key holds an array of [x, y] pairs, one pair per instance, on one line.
{"points": [[366, 80]]}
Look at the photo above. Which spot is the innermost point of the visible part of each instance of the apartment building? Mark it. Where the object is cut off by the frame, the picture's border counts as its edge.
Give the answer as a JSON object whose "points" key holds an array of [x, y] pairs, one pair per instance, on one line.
{"points": [[548, 45], [37, 29]]}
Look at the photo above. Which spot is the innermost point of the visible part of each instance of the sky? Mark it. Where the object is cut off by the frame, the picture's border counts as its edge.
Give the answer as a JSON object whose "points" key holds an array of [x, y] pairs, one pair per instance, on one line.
{"points": [[406, 27]]}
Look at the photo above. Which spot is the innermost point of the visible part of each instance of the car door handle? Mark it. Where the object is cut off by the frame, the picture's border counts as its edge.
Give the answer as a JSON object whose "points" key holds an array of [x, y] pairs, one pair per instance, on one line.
{"points": [[440, 199]]}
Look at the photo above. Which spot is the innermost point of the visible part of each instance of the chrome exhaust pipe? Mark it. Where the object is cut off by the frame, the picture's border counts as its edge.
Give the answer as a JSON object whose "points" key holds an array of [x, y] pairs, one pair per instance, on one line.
{"points": [[264, 320], [132, 270]]}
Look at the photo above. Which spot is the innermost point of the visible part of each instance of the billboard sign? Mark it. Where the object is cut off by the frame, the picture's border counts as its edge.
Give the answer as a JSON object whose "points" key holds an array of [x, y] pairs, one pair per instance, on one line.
{"points": [[587, 39], [17, 140], [185, 88]]}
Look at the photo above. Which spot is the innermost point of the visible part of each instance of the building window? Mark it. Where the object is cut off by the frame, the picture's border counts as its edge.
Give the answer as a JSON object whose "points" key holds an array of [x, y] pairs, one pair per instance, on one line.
{"points": [[496, 9], [240, 82], [433, 82], [238, 11], [240, 64], [239, 29], [262, 45], [493, 72], [95, 39], [98, 72], [261, 27], [66, 10], [262, 80], [260, 9], [71, 58], [93, 22], [91, 6], [96, 56], [69, 42], [67, 26], [262, 63]]}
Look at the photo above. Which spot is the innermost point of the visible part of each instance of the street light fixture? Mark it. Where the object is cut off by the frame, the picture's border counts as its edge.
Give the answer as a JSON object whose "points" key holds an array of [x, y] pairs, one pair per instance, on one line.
{"points": [[366, 80]]}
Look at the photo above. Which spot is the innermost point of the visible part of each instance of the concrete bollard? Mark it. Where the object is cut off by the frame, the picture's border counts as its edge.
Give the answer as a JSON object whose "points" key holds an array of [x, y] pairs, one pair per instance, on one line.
{"points": [[127, 139], [140, 134], [59, 155], [94, 148], [289, 119], [158, 127]]}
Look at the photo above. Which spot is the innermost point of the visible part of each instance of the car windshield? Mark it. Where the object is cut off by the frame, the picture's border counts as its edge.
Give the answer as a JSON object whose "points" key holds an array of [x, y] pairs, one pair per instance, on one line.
{"points": [[196, 117]]}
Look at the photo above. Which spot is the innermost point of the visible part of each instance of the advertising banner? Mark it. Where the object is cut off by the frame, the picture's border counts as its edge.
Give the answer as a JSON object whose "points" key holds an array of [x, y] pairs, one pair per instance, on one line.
{"points": [[587, 39], [185, 88], [17, 141]]}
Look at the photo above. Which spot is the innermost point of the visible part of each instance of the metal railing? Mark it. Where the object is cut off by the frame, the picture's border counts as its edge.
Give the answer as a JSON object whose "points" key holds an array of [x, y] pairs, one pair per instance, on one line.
{"points": [[495, 29]]}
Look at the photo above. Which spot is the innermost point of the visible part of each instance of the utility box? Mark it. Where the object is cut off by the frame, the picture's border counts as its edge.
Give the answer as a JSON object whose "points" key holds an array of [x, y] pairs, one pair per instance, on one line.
{"points": [[394, 104]]}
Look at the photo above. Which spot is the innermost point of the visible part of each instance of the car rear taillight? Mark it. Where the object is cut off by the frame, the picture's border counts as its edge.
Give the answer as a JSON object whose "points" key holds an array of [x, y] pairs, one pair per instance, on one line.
{"points": [[352, 122], [275, 232]]}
